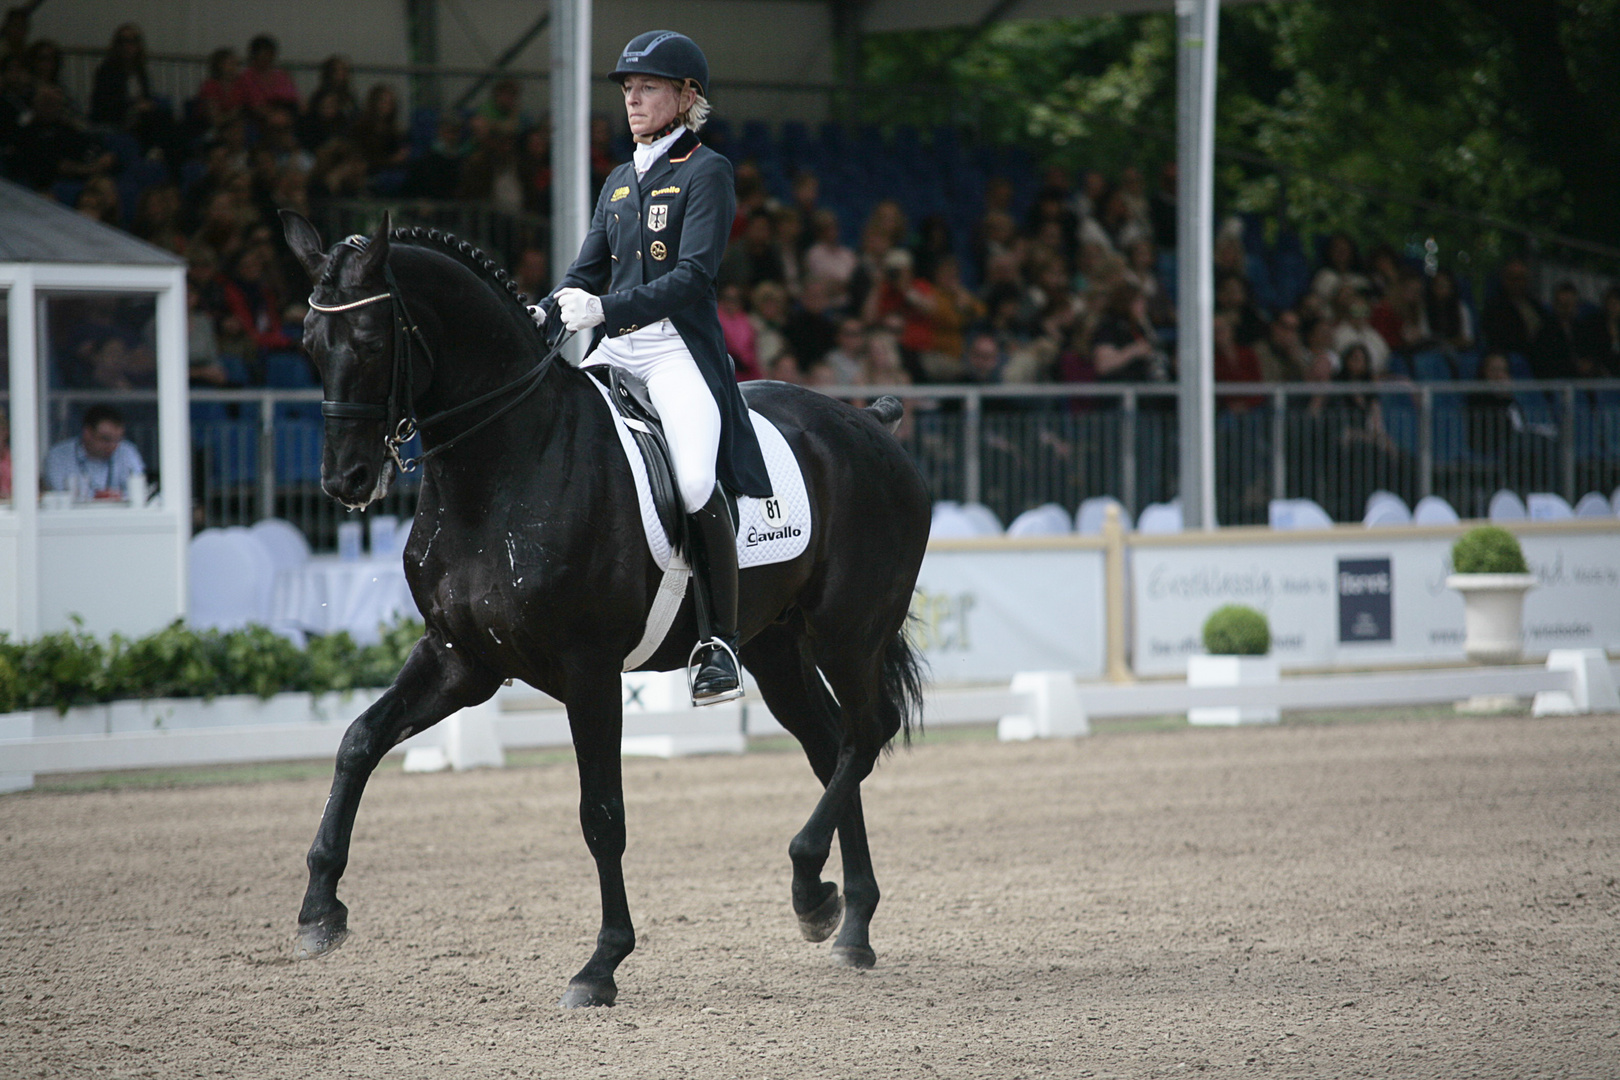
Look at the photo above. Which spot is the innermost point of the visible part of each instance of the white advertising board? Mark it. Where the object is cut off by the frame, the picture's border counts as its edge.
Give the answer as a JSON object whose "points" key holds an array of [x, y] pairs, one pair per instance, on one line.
{"points": [[986, 614], [1343, 600]]}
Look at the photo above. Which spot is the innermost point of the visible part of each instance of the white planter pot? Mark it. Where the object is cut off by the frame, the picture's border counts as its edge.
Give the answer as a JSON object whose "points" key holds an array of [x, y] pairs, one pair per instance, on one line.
{"points": [[1493, 614], [1209, 671]]}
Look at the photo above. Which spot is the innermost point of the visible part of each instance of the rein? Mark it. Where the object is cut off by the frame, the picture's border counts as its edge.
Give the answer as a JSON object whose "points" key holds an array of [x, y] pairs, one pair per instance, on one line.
{"points": [[401, 386]]}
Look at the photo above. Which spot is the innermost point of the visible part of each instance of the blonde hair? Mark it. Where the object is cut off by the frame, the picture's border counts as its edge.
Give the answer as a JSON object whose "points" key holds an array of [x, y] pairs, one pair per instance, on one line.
{"points": [[697, 114]]}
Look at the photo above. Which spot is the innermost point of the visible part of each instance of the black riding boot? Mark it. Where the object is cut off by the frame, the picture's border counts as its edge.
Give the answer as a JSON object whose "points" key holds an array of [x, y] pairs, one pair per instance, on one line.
{"points": [[712, 541]]}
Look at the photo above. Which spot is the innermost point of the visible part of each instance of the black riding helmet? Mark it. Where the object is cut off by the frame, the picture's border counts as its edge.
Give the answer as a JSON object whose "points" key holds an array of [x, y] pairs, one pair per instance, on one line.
{"points": [[666, 54]]}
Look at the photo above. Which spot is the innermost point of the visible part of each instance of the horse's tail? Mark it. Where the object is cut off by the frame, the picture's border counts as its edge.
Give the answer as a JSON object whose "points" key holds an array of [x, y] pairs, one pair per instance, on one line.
{"points": [[903, 675], [887, 411]]}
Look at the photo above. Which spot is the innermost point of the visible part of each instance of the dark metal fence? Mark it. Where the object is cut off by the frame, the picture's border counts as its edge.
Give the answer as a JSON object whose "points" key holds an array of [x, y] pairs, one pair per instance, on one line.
{"points": [[257, 453]]}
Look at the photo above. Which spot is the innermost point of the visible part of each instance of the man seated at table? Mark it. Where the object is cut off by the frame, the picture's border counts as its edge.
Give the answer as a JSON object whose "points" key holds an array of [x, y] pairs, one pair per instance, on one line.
{"points": [[97, 463]]}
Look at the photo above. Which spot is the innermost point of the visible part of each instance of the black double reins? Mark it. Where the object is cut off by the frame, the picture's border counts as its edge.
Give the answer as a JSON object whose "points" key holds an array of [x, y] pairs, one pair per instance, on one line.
{"points": [[401, 387]]}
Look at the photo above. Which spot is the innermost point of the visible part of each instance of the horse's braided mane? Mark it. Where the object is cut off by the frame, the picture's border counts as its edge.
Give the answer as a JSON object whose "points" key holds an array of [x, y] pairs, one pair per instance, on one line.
{"points": [[466, 254]]}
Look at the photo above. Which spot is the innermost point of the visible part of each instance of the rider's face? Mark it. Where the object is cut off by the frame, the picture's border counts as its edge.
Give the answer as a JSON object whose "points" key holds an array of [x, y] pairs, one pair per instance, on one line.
{"points": [[651, 104]]}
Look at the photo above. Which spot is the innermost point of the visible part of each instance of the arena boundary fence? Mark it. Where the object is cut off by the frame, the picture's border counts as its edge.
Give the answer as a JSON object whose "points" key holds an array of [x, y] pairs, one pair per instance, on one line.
{"points": [[1033, 705]]}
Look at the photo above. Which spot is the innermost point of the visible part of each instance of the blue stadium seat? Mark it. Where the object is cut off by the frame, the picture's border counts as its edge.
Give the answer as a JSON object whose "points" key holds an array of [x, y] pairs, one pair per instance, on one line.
{"points": [[230, 452], [1432, 366], [298, 451]]}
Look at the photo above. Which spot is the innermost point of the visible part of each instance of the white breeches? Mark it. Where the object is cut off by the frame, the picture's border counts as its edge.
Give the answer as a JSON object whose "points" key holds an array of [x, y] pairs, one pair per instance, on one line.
{"points": [[657, 355]]}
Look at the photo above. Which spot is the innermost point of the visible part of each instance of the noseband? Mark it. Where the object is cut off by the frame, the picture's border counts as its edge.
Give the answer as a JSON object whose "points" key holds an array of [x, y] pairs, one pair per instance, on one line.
{"points": [[400, 422]]}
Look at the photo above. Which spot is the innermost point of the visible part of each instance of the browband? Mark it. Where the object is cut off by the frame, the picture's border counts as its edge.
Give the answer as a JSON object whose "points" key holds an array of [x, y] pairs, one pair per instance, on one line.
{"points": [[325, 308]]}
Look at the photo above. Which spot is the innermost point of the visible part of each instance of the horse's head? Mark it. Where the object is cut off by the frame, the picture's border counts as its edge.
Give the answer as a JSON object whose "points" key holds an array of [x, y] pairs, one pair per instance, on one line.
{"points": [[349, 334]]}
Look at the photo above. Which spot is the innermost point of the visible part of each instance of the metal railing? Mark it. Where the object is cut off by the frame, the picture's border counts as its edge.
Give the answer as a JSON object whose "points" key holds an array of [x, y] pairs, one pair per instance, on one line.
{"points": [[256, 453]]}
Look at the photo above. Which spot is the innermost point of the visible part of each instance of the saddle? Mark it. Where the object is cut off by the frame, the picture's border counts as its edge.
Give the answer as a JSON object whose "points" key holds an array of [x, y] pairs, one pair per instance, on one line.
{"points": [[634, 404]]}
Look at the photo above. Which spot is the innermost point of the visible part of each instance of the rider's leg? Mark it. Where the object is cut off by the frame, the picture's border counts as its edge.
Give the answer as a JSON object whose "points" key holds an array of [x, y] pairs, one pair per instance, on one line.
{"points": [[692, 426]]}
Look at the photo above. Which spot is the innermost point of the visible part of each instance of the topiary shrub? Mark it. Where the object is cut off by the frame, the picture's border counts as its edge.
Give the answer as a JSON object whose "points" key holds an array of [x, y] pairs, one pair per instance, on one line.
{"points": [[1236, 630], [1488, 549]]}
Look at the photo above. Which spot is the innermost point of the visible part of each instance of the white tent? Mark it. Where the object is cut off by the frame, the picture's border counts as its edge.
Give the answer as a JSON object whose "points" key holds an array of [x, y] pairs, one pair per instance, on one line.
{"points": [[66, 279]]}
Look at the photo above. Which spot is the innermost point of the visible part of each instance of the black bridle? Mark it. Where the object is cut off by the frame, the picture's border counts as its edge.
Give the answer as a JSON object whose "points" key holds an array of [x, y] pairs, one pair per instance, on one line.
{"points": [[400, 422]]}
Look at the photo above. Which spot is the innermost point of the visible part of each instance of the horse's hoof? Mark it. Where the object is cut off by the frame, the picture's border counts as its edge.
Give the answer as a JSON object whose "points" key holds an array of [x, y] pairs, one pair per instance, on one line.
{"points": [[821, 923], [317, 939], [855, 956], [587, 995]]}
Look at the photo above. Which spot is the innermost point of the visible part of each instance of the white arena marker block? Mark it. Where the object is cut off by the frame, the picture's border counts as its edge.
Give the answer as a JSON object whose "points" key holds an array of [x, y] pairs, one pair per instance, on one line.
{"points": [[15, 725], [1015, 729], [426, 759], [1054, 703], [1592, 688], [1553, 703], [469, 738]]}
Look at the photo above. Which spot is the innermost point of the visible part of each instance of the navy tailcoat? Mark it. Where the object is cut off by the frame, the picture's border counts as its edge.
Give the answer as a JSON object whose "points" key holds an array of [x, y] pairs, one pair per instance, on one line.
{"points": [[653, 252]]}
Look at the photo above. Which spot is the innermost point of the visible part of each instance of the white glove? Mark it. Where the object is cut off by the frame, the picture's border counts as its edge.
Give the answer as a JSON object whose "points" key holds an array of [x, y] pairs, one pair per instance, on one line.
{"points": [[580, 310]]}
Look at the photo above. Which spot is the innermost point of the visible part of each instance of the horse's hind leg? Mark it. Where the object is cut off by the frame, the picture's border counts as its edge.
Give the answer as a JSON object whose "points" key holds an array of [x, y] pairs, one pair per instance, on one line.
{"points": [[434, 683], [800, 701]]}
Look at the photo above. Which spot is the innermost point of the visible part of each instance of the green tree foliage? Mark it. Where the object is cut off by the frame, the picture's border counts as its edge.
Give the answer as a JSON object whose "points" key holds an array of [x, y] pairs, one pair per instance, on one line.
{"points": [[1361, 115]]}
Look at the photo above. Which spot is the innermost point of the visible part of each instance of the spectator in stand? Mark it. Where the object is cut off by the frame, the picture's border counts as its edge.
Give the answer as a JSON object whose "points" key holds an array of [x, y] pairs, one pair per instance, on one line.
{"points": [[1059, 309], [1450, 321], [933, 244], [1366, 457], [219, 98], [1322, 362], [1597, 339], [437, 173], [1340, 267], [45, 69], [751, 199], [787, 234], [223, 229], [262, 83], [1088, 206], [1553, 355], [806, 200], [888, 219], [1401, 317], [1232, 298], [533, 276], [984, 364], [1383, 272], [996, 235], [324, 120], [754, 257], [491, 171], [98, 463], [98, 200], [1120, 223], [1513, 318], [14, 30], [903, 304], [848, 359], [503, 112], [377, 133], [829, 259], [809, 330], [769, 316], [955, 307], [1123, 345], [1142, 261], [1234, 363], [52, 147], [337, 83], [738, 331], [1520, 450], [1283, 356], [278, 135], [122, 96], [254, 299], [1355, 329], [1164, 207], [339, 172], [1003, 293], [534, 169], [205, 364], [157, 218]]}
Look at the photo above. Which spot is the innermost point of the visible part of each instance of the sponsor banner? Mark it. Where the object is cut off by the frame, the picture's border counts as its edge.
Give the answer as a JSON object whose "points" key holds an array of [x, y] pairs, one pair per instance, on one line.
{"points": [[988, 614], [1342, 602]]}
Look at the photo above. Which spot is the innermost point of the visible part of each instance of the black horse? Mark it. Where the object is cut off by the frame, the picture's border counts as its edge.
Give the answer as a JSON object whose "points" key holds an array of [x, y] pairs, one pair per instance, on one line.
{"points": [[528, 560]]}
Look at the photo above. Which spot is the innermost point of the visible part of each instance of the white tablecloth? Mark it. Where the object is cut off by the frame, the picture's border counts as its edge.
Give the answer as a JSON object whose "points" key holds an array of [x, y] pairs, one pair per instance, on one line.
{"points": [[328, 594]]}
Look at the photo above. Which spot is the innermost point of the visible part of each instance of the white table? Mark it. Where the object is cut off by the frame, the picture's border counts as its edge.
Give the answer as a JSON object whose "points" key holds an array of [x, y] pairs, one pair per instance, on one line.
{"points": [[328, 594]]}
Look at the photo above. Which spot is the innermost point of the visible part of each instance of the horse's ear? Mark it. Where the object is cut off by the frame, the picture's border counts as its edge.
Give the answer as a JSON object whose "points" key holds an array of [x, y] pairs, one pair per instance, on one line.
{"points": [[376, 256], [305, 242]]}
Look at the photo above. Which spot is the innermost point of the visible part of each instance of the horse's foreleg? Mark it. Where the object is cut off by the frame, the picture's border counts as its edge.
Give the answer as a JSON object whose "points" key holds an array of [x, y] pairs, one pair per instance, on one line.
{"points": [[596, 718], [434, 683]]}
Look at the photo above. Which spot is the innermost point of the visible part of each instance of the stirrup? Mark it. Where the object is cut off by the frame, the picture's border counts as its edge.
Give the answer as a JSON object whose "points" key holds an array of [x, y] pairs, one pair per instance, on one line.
{"points": [[691, 673]]}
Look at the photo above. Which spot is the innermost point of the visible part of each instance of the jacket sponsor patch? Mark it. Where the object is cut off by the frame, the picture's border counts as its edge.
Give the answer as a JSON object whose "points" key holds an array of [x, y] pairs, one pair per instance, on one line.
{"points": [[620, 193], [665, 191]]}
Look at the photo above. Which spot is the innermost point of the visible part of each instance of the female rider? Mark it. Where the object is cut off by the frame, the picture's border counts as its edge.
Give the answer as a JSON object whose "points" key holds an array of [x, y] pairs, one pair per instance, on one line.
{"points": [[646, 275]]}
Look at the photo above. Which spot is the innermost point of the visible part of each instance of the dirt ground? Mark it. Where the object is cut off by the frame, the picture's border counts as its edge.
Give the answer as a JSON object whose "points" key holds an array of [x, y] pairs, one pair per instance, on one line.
{"points": [[1401, 898]]}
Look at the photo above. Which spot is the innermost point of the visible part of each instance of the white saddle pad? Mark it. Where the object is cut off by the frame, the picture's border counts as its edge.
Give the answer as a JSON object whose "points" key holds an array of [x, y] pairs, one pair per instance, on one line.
{"points": [[768, 530]]}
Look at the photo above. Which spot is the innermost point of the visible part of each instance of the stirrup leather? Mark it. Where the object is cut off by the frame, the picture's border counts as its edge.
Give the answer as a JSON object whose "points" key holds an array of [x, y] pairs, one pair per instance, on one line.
{"points": [[691, 673]]}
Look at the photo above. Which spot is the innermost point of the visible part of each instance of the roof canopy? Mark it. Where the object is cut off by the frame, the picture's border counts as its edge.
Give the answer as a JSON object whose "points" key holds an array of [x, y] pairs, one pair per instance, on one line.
{"points": [[37, 230]]}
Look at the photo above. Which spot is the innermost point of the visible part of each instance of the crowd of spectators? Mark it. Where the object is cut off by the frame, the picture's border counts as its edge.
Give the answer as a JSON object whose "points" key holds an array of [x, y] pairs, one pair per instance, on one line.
{"points": [[1069, 289]]}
